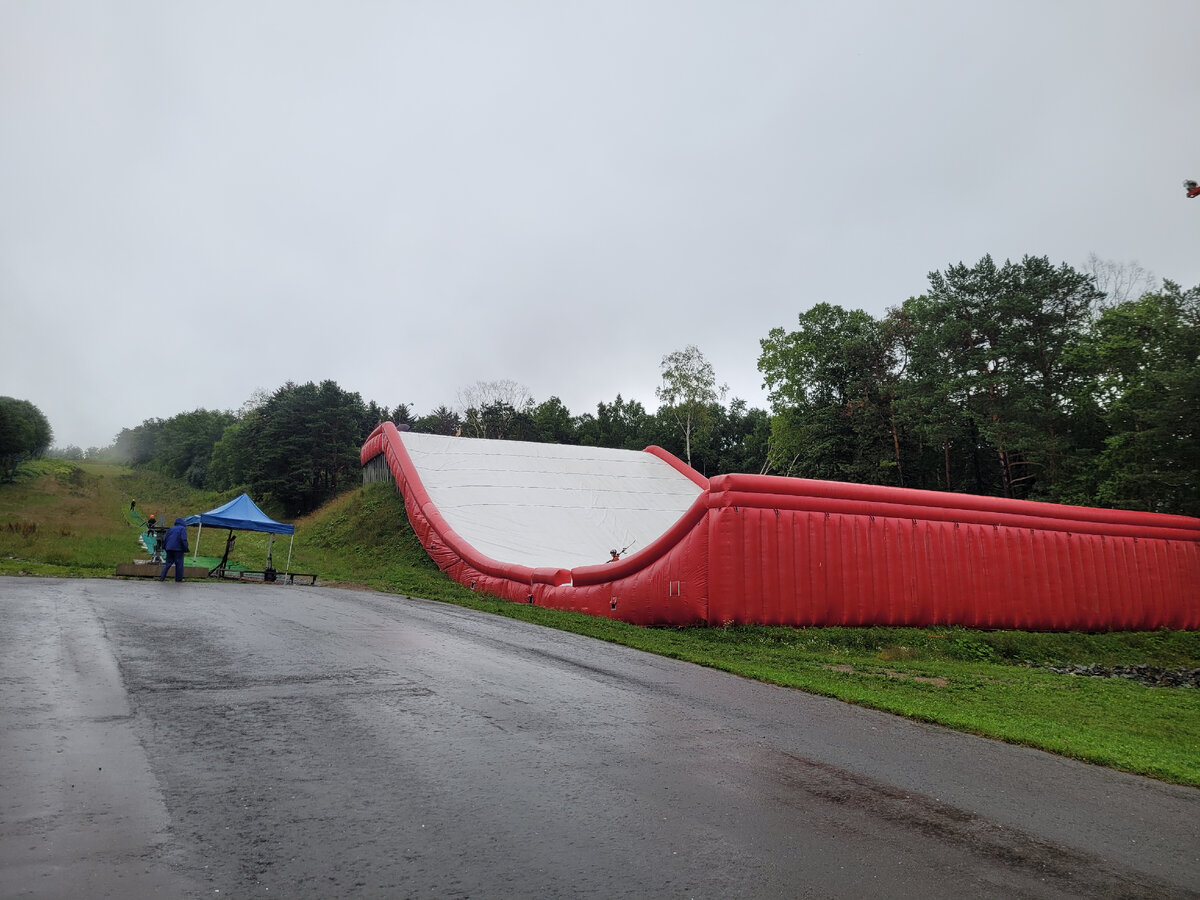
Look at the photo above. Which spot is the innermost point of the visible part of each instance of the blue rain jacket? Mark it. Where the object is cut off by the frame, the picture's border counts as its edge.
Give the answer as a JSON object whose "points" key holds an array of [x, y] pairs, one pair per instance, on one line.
{"points": [[176, 537]]}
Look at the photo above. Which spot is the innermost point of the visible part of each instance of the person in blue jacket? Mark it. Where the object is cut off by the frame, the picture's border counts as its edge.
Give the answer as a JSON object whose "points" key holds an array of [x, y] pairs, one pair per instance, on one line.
{"points": [[175, 544]]}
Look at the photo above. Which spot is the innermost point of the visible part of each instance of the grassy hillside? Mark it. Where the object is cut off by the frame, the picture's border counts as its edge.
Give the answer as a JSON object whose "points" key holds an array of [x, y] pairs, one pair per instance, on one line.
{"points": [[67, 519], [63, 518]]}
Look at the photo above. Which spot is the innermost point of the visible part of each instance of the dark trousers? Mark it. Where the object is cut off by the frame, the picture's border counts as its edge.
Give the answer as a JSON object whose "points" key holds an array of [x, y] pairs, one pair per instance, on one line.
{"points": [[174, 558]]}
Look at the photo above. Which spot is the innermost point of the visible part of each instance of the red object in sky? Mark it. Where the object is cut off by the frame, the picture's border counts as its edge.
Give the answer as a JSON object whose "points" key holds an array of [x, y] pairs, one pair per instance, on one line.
{"points": [[1193, 189]]}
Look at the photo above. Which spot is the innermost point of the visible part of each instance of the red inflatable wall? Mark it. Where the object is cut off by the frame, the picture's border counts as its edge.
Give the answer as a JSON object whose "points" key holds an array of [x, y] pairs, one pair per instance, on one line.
{"points": [[789, 551]]}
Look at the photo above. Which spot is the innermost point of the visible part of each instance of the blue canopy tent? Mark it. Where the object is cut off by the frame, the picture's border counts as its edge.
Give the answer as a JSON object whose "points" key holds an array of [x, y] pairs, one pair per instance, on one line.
{"points": [[242, 514]]}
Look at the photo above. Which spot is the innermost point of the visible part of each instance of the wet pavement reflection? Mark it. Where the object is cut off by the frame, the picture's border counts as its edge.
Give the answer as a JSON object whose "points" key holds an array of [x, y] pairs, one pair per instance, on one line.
{"points": [[274, 740]]}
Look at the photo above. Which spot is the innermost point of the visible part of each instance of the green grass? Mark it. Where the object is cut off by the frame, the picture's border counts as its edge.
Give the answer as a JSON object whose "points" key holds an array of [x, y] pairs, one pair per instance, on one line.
{"points": [[985, 682], [64, 518]]}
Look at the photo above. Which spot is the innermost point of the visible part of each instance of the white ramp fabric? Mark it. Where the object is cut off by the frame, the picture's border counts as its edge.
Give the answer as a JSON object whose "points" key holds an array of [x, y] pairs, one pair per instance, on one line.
{"points": [[549, 504]]}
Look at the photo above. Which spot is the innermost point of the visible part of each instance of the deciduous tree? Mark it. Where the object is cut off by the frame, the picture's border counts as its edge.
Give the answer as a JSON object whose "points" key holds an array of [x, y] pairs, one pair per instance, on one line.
{"points": [[442, 420], [830, 383], [185, 442], [25, 433], [1146, 359], [689, 387], [503, 400], [994, 348]]}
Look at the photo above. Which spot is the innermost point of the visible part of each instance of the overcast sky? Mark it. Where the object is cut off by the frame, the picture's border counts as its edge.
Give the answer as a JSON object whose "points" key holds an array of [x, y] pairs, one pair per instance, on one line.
{"points": [[203, 199]]}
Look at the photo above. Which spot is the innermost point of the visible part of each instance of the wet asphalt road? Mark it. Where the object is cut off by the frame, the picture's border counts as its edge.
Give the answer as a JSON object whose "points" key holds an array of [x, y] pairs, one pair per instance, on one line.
{"points": [[238, 740]]}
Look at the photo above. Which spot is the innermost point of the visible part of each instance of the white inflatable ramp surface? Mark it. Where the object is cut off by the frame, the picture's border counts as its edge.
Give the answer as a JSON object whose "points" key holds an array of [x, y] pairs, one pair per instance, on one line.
{"points": [[549, 505]]}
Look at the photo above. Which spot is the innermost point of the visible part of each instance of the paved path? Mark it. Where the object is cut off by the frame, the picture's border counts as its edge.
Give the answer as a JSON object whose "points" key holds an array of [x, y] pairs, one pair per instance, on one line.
{"points": [[244, 740]]}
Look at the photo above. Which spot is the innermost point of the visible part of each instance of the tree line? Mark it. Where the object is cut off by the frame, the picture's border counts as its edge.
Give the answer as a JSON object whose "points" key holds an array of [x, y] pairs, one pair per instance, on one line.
{"points": [[1017, 380], [298, 447], [1024, 380]]}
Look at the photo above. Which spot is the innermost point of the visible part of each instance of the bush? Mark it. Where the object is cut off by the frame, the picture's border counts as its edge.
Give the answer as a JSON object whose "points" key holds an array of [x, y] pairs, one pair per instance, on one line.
{"points": [[24, 434]]}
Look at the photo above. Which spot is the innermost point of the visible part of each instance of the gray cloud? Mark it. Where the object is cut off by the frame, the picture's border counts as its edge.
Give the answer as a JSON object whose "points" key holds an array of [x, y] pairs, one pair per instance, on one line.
{"points": [[199, 200]]}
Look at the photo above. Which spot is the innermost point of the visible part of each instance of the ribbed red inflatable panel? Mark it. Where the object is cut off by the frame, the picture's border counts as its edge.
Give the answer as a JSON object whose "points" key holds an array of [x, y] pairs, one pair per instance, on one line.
{"points": [[788, 551]]}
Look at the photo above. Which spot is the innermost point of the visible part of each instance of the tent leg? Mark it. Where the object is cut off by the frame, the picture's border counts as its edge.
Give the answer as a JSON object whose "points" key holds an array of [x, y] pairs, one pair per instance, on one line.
{"points": [[287, 566], [199, 531]]}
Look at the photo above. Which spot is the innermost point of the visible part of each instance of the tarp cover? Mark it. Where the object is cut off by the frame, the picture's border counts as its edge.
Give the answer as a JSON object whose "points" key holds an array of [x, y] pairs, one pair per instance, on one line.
{"points": [[546, 504], [242, 514]]}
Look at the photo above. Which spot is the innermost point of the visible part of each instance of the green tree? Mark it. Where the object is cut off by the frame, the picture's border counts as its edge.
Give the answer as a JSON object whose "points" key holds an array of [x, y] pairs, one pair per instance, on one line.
{"points": [[304, 447], [1145, 356], [137, 446], [500, 421], [992, 348], [553, 423], [185, 442], [743, 439], [935, 428], [25, 433], [831, 385], [622, 425], [401, 415], [490, 408], [442, 420], [688, 391], [374, 414], [233, 455]]}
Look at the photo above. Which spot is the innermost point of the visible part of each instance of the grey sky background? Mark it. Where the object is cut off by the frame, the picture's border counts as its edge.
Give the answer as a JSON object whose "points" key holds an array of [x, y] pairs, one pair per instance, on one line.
{"points": [[199, 200]]}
